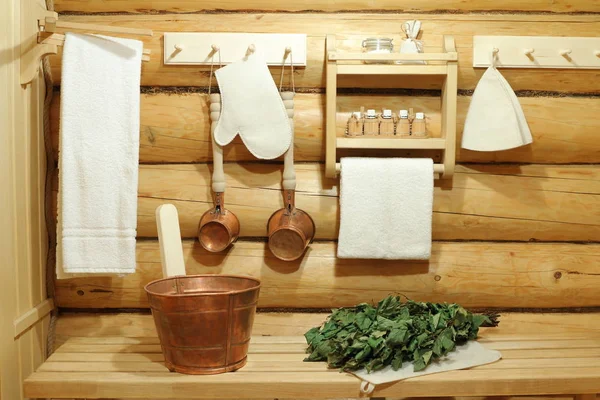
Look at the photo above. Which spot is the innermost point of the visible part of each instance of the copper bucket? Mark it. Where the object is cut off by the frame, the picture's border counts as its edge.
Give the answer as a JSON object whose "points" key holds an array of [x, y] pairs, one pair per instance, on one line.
{"points": [[218, 226], [204, 322], [290, 229]]}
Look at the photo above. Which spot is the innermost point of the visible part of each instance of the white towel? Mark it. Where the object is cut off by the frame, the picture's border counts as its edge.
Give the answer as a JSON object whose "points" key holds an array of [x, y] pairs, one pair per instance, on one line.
{"points": [[251, 106], [385, 208], [468, 355], [99, 151]]}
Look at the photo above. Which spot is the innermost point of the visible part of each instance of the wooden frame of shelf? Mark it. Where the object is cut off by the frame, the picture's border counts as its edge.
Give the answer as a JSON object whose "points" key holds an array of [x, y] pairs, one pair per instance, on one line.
{"points": [[345, 64]]}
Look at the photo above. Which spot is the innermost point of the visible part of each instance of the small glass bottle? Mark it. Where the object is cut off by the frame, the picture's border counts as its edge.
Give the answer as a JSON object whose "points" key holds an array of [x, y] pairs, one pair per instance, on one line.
{"points": [[419, 128], [386, 123], [403, 127], [355, 124], [371, 123]]}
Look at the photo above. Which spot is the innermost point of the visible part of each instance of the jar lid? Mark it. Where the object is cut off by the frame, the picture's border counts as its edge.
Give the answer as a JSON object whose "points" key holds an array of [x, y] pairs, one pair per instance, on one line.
{"points": [[356, 114], [386, 113], [380, 41], [420, 116], [403, 113], [371, 114]]}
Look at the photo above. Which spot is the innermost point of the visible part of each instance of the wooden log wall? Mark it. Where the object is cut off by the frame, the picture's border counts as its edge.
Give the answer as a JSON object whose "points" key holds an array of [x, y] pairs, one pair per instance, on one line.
{"points": [[516, 229]]}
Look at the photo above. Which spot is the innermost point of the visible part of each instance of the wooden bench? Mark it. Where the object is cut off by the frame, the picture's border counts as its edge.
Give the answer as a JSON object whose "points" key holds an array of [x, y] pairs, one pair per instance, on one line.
{"points": [[557, 354]]}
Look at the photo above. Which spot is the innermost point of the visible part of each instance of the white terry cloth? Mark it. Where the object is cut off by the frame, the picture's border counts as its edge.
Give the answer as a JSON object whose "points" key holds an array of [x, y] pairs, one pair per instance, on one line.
{"points": [[251, 106], [468, 355], [99, 151], [386, 206], [495, 120]]}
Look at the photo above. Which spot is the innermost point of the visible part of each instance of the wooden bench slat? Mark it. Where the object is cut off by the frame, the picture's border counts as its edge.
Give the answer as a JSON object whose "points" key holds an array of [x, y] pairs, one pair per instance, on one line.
{"points": [[299, 346], [158, 357], [294, 384], [295, 365], [104, 340]]}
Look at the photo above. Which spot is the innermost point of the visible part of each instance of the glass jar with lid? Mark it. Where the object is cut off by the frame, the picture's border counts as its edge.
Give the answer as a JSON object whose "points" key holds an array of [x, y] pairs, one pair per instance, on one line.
{"points": [[375, 45]]}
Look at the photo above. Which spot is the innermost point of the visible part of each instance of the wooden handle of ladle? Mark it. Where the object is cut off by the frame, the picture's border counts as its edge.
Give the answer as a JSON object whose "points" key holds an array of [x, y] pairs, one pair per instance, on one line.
{"points": [[289, 173], [169, 239], [218, 177]]}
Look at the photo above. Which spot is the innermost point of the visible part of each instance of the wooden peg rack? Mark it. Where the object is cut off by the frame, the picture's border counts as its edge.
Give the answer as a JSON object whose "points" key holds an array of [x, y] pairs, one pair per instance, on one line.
{"points": [[343, 63], [537, 52]]}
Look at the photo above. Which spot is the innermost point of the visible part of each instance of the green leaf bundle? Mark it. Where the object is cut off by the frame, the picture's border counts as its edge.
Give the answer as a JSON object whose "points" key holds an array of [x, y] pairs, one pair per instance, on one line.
{"points": [[391, 333]]}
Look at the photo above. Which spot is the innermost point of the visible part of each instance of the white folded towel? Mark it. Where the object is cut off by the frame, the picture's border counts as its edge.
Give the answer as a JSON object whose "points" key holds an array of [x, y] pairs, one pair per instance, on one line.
{"points": [[99, 151], [386, 206], [251, 106]]}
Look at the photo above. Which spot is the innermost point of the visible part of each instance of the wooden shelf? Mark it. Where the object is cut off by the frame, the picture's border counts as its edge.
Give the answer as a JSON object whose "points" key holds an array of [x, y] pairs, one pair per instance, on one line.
{"points": [[345, 63], [382, 142], [449, 56], [391, 69]]}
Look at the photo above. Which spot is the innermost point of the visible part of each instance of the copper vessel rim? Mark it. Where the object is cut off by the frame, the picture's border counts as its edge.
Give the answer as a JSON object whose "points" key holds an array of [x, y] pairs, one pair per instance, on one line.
{"points": [[296, 209], [257, 281]]}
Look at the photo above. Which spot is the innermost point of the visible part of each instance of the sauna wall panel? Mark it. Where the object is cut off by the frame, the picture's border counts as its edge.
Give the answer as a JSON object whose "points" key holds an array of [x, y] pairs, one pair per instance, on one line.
{"points": [[23, 240], [482, 223], [181, 6], [316, 25], [486, 202], [510, 275], [175, 129]]}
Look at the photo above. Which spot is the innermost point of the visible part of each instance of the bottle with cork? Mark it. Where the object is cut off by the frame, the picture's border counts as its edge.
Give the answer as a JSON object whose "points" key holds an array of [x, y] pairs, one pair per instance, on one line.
{"points": [[371, 125], [403, 126], [419, 128], [355, 124], [386, 122]]}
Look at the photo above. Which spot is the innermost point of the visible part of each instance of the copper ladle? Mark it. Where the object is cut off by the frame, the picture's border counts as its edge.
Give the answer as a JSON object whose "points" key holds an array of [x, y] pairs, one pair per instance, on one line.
{"points": [[218, 227], [290, 229]]}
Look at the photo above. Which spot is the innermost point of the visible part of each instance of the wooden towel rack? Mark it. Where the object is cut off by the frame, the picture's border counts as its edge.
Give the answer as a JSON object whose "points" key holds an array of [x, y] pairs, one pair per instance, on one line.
{"points": [[443, 63], [40, 37]]}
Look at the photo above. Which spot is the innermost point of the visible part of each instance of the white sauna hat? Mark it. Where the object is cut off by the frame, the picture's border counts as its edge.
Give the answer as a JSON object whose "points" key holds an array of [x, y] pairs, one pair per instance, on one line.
{"points": [[495, 120]]}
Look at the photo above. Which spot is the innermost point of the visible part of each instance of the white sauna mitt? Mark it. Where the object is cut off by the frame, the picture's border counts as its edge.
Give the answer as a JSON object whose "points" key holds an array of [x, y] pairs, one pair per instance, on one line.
{"points": [[251, 106], [495, 120]]}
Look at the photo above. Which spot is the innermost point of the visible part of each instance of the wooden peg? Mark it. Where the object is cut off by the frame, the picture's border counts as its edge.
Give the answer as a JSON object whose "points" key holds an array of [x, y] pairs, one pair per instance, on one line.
{"points": [[287, 52], [565, 52], [528, 52], [178, 47], [597, 53], [50, 24], [251, 50]]}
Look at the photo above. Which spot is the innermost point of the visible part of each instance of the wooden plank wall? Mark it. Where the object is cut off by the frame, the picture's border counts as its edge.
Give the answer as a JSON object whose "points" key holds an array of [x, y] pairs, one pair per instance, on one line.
{"points": [[519, 228], [23, 241]]}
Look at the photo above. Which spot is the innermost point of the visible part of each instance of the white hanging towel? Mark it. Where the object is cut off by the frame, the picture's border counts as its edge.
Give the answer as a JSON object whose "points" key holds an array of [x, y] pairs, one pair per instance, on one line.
{"points": [[385, 208], [251, 106], [468, 355], [495, 120], [99, 151]]}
